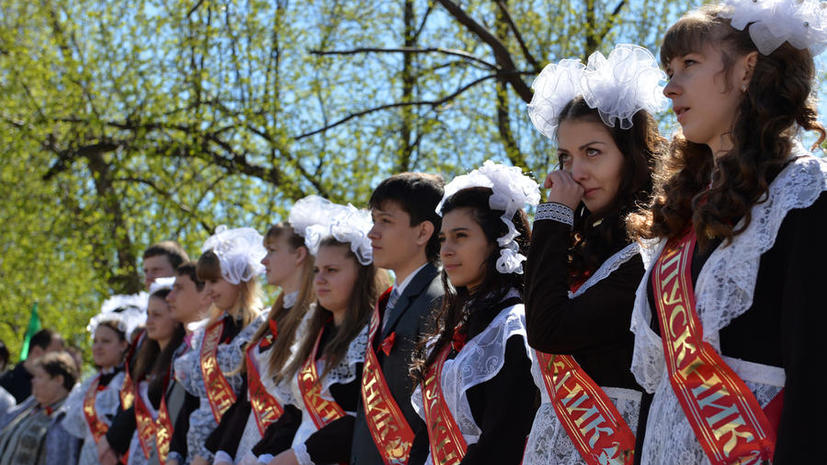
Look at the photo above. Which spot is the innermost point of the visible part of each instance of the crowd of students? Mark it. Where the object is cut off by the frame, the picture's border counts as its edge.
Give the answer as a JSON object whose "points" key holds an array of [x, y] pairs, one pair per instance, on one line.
{"points": [[497, 342]]}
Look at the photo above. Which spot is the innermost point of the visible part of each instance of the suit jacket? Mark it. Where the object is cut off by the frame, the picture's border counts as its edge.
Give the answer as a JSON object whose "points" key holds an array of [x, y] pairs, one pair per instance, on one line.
{"points": [[409, 321]]}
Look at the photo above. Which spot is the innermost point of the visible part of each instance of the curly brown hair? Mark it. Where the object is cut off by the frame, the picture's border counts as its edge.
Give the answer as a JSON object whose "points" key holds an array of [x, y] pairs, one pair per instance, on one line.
{"points": [[597, 235], [777, 101]]}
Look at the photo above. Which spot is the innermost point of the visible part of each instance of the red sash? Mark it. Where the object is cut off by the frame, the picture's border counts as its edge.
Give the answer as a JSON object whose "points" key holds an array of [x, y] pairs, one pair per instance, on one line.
{"points": [[163, 431], [591, 420], [390, 431], [723, 412], [265, 407], [127, 394], [96, 426], [219, 392], [447, 444], [144, 425], [321, 410]]}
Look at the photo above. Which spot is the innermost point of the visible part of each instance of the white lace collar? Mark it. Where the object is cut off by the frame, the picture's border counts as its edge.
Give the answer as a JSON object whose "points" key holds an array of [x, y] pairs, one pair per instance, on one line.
{"points": [[726, 283], [290, 299], [345, 371], [608, 267]]}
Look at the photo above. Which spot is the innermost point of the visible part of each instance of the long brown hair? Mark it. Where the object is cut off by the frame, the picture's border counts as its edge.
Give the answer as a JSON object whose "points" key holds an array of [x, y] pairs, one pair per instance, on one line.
{"points": [[248, 304], [151, 361], [454, 312], [597, 235], [369, 283], [778, 98], [287, 319]]}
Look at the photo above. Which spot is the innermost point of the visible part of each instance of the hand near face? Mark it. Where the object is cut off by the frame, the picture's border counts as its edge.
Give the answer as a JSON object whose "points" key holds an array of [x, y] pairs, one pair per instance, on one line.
{"points": [[563, 189]]}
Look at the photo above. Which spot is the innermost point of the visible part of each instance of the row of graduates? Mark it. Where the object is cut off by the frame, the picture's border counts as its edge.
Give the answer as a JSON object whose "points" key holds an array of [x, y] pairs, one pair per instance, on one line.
{"points": [[499, 344]]}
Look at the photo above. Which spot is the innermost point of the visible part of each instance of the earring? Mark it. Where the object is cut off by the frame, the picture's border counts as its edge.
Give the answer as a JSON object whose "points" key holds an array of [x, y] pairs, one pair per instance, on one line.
{"points": [[743, 87]]}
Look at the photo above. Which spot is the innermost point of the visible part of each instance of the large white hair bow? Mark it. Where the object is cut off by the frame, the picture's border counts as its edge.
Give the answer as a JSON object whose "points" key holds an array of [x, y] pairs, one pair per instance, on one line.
{"points": [[512, 190], [618, 86], [802, 23], [239, 251]]}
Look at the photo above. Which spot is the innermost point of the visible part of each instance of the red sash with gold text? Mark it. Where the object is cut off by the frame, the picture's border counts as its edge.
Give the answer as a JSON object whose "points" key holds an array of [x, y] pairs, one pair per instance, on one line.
{"points": [[321, 410], [265, 407], [447, 444], [144, 425], [390, 431], [219, 392], [163, 431], [127, 394], [591, 420], [96, 426], [725, 416]]}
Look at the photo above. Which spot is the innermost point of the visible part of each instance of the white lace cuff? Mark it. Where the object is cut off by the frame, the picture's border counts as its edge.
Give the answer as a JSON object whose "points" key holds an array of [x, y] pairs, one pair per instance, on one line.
{"points": [[555, 211], [302, 456]]}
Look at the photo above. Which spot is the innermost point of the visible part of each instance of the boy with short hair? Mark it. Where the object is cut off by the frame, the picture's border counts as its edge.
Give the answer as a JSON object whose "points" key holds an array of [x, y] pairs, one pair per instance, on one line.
{"points": [[405, 240]]}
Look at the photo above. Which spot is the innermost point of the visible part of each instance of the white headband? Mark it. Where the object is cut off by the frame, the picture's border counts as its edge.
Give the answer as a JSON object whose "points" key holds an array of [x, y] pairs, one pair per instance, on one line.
{"points": [[316, 218], [802, 23], [128, 312], [239, 251], [618, 86], [511, 191]]}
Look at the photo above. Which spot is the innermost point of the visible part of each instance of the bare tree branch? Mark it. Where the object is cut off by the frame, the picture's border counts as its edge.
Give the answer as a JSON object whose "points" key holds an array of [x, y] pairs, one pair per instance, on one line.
{"points": [[612, 20], [501, 53], [511, 25], [432, 103], [445, 51]]}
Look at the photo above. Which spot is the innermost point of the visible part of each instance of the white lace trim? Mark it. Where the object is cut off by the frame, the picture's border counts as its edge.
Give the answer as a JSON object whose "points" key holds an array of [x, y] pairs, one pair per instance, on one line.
{"points": [[724, 291], [726, 284], [106, 404], [548, 442], [480, 360], [606, 268], [556, 212], [343, 373]]}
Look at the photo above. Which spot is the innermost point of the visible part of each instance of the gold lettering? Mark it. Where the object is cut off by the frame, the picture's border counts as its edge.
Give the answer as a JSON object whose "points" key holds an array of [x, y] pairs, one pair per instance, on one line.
{"points": [[730, 428]]}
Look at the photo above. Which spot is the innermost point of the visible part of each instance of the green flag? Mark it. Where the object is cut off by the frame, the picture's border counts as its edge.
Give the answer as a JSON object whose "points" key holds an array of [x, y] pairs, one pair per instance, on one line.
{"points": [[34, 326]]}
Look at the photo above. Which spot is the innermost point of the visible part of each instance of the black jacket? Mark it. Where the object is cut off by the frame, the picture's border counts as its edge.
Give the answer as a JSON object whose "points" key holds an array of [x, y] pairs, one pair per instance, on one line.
{"points": [[409, 318]]}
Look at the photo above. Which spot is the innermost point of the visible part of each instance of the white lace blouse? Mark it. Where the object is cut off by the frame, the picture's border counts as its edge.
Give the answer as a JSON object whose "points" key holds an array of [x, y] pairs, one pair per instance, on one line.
{"points": [[724, 290]]}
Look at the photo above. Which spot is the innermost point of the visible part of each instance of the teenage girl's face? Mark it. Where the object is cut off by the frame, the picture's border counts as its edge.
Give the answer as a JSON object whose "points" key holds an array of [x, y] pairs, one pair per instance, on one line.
{"points": [[160, 326], [336, 272], [704, 101], [464, 248], [107, 347], [281, 261], [222, 293], [587, 151]]}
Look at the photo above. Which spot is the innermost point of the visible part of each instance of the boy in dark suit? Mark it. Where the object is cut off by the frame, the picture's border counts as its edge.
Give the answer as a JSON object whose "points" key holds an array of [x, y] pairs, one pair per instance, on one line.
{"points": [[405, 240]]}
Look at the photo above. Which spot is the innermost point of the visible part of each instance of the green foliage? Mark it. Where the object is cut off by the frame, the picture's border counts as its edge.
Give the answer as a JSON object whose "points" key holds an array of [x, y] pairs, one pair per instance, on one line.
{"points": [[123, 123]]}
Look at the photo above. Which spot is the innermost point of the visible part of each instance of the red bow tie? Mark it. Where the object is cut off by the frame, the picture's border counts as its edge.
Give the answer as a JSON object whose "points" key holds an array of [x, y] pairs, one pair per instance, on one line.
{"points": [[387, 344]]}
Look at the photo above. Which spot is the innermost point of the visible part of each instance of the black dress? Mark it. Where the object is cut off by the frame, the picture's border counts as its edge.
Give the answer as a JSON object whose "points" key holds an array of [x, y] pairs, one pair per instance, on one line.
{"points": [[502, 407], [332, 442], [592, 326], [780, 329]]}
